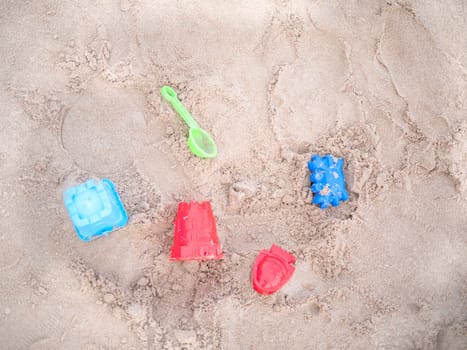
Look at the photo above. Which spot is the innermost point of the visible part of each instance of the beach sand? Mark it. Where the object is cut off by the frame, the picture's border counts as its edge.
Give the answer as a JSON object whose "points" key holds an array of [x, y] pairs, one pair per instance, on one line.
{"points": [[381, 84]]}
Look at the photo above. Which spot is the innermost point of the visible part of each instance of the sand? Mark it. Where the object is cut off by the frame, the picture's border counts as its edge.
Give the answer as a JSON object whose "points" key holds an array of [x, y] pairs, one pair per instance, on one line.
{"points": [[381, 84]]}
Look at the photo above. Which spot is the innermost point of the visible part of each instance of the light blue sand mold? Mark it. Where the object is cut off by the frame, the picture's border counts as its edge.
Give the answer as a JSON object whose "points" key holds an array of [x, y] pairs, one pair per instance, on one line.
{"points": [[95, 209]]}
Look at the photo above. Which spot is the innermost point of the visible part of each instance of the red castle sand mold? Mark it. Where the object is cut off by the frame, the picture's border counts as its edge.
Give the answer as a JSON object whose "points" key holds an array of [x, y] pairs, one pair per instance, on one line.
{"points": [[272, 269], [195, 236]]}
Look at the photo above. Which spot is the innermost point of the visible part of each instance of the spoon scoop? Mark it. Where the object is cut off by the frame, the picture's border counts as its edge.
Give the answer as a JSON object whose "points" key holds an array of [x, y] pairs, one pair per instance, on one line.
{"points": [[199, 141]]}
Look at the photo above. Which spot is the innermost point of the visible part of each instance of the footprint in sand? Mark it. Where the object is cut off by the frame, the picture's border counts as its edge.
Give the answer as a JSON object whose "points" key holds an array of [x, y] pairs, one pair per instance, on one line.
{"points": [[105, 133], [308, 98], [100, 131]]}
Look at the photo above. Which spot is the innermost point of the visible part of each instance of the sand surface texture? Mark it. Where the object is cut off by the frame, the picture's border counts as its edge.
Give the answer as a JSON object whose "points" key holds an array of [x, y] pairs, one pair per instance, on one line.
{"points": [[381, 84]]}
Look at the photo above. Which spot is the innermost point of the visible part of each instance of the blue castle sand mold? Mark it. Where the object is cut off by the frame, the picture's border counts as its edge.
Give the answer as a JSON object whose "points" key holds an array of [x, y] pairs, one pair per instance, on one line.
{"points": [[328, 182], [95, 209]]}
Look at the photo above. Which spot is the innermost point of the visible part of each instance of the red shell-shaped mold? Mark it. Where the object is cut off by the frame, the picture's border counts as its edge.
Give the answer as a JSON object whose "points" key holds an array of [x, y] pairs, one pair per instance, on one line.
{"points": [[195, 236], [272, 269]]}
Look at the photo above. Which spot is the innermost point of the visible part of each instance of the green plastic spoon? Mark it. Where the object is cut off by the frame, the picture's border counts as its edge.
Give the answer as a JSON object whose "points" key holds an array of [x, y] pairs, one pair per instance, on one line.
{"points": [[200, 142]]}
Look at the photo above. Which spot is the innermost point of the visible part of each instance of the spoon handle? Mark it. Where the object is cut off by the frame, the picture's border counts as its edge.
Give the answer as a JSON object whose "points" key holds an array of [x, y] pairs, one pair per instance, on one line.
{"points": [[170, 95]]}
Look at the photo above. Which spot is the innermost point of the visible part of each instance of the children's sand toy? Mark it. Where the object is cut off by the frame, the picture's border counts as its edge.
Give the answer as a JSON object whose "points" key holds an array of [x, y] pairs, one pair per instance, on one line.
{"points": [[200, 142], [95, 209], [327, 181], [272, 269], [195, 236]]}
